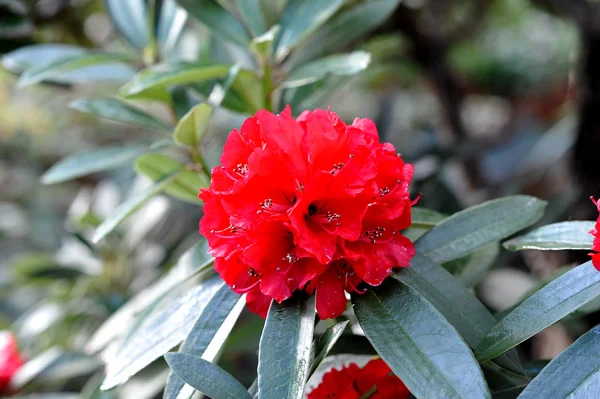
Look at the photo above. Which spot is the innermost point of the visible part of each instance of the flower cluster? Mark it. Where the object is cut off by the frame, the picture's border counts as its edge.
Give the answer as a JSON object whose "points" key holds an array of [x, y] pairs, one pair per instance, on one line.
{"points": [[10, 359], [351, 382], [308, 203], [596, 233]]}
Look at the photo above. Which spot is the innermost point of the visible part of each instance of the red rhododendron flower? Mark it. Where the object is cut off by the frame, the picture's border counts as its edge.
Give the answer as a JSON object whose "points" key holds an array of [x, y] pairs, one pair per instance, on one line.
{"points": [[307, 204], [596, 233], [10, 359], [351, 382]]}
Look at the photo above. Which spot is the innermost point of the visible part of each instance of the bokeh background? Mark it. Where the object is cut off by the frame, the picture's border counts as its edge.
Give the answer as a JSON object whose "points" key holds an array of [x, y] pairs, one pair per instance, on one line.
{"points": [[486, 97]]}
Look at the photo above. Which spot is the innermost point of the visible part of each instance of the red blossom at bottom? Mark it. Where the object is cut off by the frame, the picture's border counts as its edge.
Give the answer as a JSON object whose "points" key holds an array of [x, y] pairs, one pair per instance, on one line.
{"points": [[352, 382], [596, 233], [10, 359], [307, 204]]}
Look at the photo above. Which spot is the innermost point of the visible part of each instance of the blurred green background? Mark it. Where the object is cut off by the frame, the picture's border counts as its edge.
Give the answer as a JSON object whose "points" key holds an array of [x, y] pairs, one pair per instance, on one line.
{"points": [[486, 97]]}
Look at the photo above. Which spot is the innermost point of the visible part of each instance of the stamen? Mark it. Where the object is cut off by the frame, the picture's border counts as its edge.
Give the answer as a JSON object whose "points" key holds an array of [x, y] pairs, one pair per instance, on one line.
{"points": [[241, 169], [336, 168]]}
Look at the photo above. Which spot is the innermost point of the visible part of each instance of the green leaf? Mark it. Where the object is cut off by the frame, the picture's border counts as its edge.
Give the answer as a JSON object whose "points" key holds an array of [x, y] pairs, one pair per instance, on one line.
{"points": [[192, 262], [345, 28], [130, 17], [300, 19], [324, 344], [206, 377], [131, 205], [251, 91], [418, 343], [49, 70], [29, 268], [185, 186], [117, 110], [251, 11], [557, 236], [218, 20], [285, 349], [28, 57], [338, 64], [574, 373], [471, 229], [313, 95], [477, 265], [544, 308], [425, 218], [158, 334], [221, 311], [171, 21], [263, 45], [193, 126], [161, 76], [469, 316], [85, 163]]}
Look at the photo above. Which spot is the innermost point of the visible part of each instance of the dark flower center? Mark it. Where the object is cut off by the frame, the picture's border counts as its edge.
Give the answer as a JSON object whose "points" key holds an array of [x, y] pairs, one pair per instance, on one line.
{"points": [[312, 209]]}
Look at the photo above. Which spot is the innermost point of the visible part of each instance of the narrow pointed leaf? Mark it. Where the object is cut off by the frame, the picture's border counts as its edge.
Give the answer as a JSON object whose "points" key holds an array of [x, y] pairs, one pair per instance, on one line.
{"points": [[164, 75], [117, 110], [160, 333], [324, 344], [574, 373], [338, 64], [300, 19], [192, 262], [85, 163], [206, 377], [210, 321], [285, 348], [49, 70], [251, 11], [556, 300], [130, 17], [471, 229], [218, 20], [170, 25], [477, 265], [557, 236], [427, 218], [452, 299], [185, 186], [344, 28], [418, 343], [131, 205]]}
